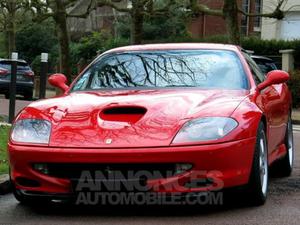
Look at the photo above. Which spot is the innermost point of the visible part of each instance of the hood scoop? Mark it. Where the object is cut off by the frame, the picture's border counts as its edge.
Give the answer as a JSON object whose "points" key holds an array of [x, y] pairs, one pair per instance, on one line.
{"points": [[127, 114]]}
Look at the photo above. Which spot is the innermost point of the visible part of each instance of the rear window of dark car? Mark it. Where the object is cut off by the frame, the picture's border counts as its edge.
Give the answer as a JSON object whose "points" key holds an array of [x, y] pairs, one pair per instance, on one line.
{"points": [[265, 65], [21, 65]]}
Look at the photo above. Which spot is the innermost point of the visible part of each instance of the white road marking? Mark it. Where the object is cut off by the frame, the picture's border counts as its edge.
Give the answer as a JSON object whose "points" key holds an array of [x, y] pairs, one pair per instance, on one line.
{"points": [[296, 128]]}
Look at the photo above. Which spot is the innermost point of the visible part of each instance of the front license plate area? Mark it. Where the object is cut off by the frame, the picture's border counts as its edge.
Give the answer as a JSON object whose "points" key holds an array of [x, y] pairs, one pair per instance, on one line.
{"points": [[109, 185]]}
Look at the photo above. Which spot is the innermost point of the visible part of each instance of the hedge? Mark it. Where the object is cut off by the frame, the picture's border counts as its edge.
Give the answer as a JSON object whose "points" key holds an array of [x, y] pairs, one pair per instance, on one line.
{"points": [[294, 85]]}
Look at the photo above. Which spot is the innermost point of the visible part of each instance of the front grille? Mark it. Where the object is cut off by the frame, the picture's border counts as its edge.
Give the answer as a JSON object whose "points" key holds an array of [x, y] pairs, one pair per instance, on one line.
{"points": [[125, 171]]}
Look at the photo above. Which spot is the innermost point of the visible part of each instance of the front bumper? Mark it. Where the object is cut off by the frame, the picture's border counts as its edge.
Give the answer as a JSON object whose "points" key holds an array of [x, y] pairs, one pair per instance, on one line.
{"points": [[226, 164]]}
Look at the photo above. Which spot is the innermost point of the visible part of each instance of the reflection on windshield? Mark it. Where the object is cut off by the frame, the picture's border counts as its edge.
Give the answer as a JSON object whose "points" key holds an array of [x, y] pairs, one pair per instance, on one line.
{"points": [[196, 68]]}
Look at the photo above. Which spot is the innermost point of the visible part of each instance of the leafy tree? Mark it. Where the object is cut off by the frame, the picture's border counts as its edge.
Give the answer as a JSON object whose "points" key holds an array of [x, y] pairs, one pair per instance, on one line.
{"points": [[34, 38]]}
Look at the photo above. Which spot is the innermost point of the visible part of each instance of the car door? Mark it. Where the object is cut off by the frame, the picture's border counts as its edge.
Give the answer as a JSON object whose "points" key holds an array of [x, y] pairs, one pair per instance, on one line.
{"points": [[274, 102]]}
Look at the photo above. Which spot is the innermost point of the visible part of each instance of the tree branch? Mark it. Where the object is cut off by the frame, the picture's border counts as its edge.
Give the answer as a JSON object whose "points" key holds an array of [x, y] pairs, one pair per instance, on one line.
{"points": [[85, 14], [276, 14], [101, 3], [201, 8]]}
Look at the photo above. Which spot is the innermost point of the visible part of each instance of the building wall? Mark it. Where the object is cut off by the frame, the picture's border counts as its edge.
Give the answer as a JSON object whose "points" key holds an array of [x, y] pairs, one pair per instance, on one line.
{"points": [[99, 19], [205, 25], [288, 28]]}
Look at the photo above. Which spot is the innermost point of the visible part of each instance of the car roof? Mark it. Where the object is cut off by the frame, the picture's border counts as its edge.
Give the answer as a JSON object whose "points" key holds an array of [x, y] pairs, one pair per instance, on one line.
{"points": [[174, 46], [261, 57], [10, 60]]}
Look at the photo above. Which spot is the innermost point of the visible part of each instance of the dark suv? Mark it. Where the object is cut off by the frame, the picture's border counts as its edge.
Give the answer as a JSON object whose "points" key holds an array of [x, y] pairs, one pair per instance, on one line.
{"points": [[25, 78], [264, 63]]}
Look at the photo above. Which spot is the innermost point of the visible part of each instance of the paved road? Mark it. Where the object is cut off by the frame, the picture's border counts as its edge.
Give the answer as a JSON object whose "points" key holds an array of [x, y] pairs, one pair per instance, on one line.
{"points": [[282, 207], [4, 105], [20, 103]]}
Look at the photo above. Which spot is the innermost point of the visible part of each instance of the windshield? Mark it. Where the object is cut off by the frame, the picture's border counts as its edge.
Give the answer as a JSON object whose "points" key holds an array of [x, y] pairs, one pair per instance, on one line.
{"points": [[160, 69]]}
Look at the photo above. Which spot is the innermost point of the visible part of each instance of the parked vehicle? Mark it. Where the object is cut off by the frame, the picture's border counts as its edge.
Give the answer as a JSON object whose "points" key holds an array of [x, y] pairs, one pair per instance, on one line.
{"points": [[264, 63], [175, 109], [25, 78]]}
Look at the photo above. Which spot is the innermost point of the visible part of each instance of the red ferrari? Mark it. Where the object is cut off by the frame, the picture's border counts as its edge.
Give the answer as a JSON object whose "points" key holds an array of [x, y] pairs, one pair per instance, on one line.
{"points": [[192, 117]]}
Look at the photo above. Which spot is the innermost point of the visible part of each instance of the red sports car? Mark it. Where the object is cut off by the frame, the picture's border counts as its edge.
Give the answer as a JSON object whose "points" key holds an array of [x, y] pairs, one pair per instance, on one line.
{"points": [[172, 118]]}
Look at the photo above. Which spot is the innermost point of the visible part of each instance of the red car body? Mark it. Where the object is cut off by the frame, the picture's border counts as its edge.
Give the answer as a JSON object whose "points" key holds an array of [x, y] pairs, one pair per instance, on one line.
{"points": [[78, 136]]}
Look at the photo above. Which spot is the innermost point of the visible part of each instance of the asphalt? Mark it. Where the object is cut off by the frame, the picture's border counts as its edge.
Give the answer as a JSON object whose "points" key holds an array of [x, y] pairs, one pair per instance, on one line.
{"points": [[282, 207]]}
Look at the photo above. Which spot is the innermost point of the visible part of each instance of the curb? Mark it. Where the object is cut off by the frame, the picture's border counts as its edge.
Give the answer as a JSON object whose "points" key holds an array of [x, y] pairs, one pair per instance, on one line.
{"points": [[296, 122], [5, 185], [5, 124]]}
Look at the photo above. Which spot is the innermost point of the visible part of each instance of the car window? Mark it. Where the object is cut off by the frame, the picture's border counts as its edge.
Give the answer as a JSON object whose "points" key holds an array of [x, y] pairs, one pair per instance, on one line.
{"points": [[194, 68], [257, 74], [265, 65], [21, 65]]}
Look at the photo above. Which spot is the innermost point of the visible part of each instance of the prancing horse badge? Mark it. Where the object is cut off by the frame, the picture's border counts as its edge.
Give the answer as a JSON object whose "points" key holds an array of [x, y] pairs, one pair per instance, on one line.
{"points": [[108, 141]]}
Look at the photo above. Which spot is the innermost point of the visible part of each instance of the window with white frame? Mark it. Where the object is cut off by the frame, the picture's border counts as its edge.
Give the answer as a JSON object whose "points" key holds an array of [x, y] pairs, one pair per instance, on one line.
{"points": [[257, 19], [245, 19]]}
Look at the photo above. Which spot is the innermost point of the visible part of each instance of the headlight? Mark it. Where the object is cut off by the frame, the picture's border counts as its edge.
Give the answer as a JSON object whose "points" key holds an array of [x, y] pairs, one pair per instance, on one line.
{"points": [[31, 131], [205, 129]]}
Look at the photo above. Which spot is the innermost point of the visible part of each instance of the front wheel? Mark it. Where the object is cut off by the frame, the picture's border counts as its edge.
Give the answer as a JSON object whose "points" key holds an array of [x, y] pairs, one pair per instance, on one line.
{"points": [[28, 96], [257, 187]]}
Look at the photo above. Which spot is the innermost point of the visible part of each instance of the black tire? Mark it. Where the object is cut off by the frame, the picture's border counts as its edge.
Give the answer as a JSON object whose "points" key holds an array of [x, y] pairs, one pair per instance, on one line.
{"points": [[6, 95], [284, 166], [28, 96], [257, 187]]}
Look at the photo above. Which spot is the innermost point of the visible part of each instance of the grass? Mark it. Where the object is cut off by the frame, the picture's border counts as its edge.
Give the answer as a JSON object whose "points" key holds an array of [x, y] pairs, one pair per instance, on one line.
{"points": [[4, 130]]}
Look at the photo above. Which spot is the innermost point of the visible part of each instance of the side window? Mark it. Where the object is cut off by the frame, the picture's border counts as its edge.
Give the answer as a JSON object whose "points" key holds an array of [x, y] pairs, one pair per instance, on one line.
{"points": [[255, 70]]}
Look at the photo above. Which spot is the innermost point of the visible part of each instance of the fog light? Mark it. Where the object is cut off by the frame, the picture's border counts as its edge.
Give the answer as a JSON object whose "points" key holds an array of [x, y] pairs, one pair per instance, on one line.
{"points": [[182, 167], [41, 167]]}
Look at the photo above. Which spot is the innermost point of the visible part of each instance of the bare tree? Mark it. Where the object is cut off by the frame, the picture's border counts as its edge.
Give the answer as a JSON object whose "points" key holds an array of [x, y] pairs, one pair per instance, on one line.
{"points": [[57, 10], [230, 13], [137, 10], [9, 10]]}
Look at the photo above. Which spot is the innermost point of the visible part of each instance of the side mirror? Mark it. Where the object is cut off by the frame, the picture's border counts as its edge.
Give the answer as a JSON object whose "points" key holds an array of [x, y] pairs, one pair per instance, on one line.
{"points": [[59, 80], [274, 77]]}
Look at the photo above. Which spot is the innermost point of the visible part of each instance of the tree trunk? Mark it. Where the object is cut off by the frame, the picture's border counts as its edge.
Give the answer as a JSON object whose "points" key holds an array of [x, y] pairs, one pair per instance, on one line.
{"points": [[230, 11], [137, 21], [11, 28], [63, 38]]}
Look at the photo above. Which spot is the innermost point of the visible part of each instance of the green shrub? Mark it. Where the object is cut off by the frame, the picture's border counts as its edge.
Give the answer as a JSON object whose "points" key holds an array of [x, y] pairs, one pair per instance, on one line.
{"points": [[97, 42], [34, 38], [294, 85]]}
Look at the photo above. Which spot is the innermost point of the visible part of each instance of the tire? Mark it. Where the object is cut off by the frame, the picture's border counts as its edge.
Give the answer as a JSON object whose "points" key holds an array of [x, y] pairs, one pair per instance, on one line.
{"points": [[284, 166], [6, 95], [28, 96], [257, 188]]}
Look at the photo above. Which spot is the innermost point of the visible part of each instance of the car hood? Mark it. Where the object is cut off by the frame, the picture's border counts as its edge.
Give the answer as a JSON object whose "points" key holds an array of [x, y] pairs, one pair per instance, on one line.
{"points": [[133, 118]]}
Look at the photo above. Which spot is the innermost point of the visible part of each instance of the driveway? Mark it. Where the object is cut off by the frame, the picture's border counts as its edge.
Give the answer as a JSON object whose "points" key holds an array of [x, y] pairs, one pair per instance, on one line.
{"points": [[282, 207]]}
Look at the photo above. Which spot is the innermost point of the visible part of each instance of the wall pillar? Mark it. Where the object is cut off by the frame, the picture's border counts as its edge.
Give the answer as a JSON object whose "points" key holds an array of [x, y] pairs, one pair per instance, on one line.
{"points": [[287, 59]]}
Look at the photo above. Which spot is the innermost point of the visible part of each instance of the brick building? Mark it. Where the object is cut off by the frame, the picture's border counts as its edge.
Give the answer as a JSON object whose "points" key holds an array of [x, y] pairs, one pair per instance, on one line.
{"points": [[202, 26], [206, 25]]}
